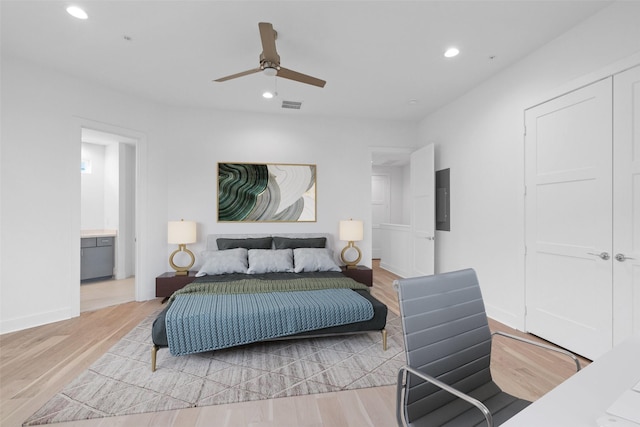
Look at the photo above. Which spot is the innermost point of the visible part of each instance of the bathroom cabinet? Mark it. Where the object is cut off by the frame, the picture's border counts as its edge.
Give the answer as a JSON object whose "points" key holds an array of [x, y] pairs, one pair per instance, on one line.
{"points": [[97, 257]]}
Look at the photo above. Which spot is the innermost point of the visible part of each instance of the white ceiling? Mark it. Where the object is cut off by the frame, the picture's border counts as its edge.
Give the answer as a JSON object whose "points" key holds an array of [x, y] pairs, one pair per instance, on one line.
{"points": [[376, 56]]}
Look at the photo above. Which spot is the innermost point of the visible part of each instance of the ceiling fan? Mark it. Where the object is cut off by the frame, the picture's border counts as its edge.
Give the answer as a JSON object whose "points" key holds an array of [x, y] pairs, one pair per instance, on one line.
{"points": [[270, 61]]}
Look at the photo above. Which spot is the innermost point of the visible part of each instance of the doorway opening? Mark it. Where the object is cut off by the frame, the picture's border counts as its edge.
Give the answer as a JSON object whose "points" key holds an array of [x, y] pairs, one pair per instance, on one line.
{"points": [[107, 219], [403, 209], [390, 184]]}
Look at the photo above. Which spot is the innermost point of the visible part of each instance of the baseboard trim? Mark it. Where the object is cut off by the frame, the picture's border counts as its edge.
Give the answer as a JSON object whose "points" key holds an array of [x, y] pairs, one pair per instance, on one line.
{"points": [[39, 319], [513, 320], [392, 269]]}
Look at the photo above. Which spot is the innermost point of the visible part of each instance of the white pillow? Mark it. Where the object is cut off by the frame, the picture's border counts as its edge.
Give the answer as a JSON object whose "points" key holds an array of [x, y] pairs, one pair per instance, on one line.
{"points": [[312, 259], [224, 262], [270, 261]]}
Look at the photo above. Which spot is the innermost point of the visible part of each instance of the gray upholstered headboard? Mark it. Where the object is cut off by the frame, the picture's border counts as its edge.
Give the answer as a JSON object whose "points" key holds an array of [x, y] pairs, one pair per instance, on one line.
{"points": [[212, 244]]}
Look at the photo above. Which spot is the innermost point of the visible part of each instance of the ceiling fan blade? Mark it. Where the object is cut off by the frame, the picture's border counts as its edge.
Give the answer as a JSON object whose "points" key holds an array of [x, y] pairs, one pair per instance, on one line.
{"points": [[268, 37], [234, 76], [299, 77]]}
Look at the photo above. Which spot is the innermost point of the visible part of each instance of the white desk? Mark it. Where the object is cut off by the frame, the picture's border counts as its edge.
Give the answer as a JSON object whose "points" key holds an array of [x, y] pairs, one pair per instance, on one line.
{"points": [[584, 398]]}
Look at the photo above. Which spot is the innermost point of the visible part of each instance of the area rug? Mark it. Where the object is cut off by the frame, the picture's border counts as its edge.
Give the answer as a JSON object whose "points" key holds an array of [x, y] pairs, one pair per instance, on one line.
{"points": [[121, 381]]}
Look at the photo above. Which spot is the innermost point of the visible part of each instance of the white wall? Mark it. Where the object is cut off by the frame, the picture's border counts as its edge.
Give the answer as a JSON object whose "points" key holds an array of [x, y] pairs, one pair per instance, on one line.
{"points": [[480, 137], [396, 253], [42, 114], [92, 188], [127, 227], [406, 195], [177, 154], [112, 187], [397, 184], [339, 148]]}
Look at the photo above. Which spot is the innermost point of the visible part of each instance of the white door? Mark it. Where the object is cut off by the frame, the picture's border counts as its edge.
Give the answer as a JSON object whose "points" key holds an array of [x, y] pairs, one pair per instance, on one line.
{"points": [[381, 210], [423, 210], [568, 174], [626, 208]]}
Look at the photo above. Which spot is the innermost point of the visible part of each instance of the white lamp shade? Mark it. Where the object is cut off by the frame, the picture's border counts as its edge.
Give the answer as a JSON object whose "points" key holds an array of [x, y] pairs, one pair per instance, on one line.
{"points": [[351, 230], [181, 232]]}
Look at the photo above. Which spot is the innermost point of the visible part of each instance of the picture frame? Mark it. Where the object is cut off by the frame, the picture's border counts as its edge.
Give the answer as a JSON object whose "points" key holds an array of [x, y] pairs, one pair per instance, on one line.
{"points": [[267, 192]]}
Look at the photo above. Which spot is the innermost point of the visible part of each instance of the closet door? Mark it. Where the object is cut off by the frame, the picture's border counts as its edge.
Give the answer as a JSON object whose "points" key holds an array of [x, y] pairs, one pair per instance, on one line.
{"points": [[568, 174], [626, 190]]}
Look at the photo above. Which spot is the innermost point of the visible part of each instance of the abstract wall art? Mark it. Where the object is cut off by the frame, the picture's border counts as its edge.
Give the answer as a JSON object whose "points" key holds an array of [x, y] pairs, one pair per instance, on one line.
{"points": [[266, 192]]}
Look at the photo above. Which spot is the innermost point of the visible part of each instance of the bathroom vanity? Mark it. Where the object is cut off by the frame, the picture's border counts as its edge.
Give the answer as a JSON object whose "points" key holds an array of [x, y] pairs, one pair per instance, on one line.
{"points": [[97, 254]]}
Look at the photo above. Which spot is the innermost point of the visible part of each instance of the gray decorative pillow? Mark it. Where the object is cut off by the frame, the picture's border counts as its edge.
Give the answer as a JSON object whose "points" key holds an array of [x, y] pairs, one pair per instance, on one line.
{"points": [[294, 243], [270, 261], [313, 259], [224, 262], [249, 243]]}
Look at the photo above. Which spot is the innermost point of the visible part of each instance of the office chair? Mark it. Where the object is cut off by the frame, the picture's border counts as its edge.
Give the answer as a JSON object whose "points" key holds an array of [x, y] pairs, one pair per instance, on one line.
{"points": [[447, 379]]}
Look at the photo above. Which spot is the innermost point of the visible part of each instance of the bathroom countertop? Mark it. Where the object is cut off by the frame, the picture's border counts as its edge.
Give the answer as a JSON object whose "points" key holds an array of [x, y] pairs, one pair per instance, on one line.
{"points": [[98, 233]]}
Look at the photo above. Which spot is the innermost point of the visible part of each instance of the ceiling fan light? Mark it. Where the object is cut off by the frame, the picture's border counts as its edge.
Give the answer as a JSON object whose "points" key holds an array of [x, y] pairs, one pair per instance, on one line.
{"points": [[269, 71]]}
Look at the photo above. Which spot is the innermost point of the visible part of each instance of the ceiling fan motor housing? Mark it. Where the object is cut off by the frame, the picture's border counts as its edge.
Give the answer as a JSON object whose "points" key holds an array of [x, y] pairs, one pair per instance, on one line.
{"points": [[270, 71]]}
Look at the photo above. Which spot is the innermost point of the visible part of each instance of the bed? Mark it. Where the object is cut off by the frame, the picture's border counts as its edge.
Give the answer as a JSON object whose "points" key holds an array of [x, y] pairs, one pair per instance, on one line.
{"points": [[254, 288]]}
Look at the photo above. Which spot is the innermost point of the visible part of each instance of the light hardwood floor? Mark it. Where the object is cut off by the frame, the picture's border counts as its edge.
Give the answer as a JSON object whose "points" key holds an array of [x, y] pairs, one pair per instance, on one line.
{"points": [[105, 293], [38, 362]]}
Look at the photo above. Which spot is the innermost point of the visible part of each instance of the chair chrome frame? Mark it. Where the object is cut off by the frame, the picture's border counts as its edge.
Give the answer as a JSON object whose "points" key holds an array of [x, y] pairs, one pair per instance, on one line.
{"points": [[402, 376], [540, 345]]}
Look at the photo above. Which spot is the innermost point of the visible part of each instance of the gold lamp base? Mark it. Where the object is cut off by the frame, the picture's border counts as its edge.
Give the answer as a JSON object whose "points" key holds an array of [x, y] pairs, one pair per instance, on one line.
{"points": [[354, 263], [182, 271]]}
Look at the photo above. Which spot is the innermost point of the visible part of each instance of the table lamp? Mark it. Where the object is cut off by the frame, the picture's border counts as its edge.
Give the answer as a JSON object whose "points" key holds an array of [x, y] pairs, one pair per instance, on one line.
{"points": [[351, 231], [180, 233]]}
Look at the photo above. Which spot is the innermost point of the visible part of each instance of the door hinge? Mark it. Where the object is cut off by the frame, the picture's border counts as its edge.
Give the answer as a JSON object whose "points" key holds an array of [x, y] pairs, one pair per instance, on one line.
{"points": [[525, 130], [525, 190], [525, 250]]}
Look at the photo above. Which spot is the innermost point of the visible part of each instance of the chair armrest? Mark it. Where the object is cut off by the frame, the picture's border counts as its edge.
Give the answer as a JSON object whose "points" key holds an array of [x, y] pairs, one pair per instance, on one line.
{"points": [[537, 344], [446, 387]]}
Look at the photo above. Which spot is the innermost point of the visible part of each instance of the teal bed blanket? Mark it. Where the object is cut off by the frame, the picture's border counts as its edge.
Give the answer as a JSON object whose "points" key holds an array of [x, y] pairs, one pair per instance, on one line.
{"points": [[205, 317]]}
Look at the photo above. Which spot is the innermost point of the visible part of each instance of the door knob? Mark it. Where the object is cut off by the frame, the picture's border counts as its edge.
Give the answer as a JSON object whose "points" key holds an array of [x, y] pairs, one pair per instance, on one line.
{"points": [[622, 258], [604, 255]]}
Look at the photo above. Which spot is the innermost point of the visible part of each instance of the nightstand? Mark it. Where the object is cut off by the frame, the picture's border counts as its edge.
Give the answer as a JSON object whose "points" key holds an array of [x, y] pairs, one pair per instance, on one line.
{"points": [[360, 274], [168, 283]]}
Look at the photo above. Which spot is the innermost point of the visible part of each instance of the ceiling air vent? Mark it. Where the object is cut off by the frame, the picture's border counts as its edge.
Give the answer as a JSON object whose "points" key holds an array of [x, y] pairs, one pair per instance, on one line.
{"points": [[294, 105]]}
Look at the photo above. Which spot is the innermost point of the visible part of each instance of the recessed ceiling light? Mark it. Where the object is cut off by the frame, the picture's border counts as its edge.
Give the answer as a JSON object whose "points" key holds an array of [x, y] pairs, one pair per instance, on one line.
{"points": [[413, 102], [268, 95], [77, 12], [451, 52]]}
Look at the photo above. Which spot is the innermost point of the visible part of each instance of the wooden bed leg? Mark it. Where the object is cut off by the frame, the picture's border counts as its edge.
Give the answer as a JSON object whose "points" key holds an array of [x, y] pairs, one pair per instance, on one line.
{"points": [[154, 352], [384, 339]]}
